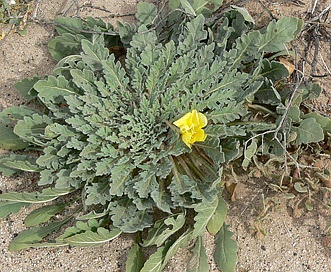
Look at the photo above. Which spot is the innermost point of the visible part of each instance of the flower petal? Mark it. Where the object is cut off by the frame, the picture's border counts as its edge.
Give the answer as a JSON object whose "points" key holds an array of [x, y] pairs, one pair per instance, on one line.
{"points": [[202, 120], [183, 120], [187, 138], [198, 136]]}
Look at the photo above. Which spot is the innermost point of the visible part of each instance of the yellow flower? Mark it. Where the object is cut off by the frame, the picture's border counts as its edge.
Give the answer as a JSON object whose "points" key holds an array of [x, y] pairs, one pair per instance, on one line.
{"points": [[190, 126]]}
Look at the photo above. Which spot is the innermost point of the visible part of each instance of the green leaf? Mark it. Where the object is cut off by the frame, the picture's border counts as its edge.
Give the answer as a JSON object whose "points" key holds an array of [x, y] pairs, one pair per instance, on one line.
{"points": [[187, 7], [279, 33], [135, 260], [155, 261], [32, 128], [180, 242], [205, 212], [226, 249], [68, 25], [7, 171], [25, 87], [90, 238], [212, 148], [273, 70], [92, 215], [146, 184], [127, 217], [228, 113], [80, 227], [162, 198], [300, 187], [146, 13], [120, 174], [52, 89], [64, 45], [29, 237], [267, 94], [163, 229], [231, 149], [325, 122], [43, 214], [244, 13], [94, 53], [309, 131], [294, 113], [249, 152], [8, 207], [9, 140], [199, 260], [218, 218], [46, 195], [310, 90], [20, 162], [11, 115]]}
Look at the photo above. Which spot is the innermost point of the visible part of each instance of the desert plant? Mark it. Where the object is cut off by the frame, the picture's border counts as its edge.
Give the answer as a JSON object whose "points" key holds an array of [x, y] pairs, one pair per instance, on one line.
{"points": [[135, 126]]}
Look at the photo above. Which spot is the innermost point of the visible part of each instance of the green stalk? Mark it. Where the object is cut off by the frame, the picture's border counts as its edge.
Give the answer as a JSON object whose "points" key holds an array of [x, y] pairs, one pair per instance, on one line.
{"points": [[194, 167], [185, 167], [198, 157], [261, 108]]}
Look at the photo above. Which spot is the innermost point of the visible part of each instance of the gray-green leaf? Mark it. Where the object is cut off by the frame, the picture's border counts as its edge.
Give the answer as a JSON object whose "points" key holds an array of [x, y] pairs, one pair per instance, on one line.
{"points": [[309, 131], [90, 238], [43, 214], [135, 260], [226, 248], [218, 218], [155, 261], [205, 212], [249, 153], [9, 140], [198, 261], [187, 7], [8, 207], [34, 235], [163, 229], [279, 33]]}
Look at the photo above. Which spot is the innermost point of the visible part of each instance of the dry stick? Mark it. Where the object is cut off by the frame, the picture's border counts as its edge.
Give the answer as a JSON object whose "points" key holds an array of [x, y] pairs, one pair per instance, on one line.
{"points": [[95, 7], [281, 127], [316, 43], [326, 66], [267, 10], [34, 15], [314, 6], [7, 34], [65, 12], [319, 16]]}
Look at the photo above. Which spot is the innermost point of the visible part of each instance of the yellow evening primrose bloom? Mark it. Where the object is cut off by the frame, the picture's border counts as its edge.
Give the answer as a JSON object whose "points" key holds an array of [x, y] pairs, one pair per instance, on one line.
{"points": [[190, 126]]}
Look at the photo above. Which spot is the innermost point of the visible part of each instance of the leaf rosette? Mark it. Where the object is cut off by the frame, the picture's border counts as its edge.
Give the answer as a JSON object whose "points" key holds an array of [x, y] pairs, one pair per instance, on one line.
{"points": [[141, 122]]}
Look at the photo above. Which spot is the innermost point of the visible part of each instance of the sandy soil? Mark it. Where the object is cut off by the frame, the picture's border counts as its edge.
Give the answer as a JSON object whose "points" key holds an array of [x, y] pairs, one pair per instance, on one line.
{"points": [[291, 243]]}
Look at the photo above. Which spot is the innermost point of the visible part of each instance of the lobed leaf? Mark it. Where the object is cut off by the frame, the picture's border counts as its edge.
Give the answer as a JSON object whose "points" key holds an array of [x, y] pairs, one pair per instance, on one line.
{"points": [[8, 207], [198, 261], [155, 261], [226, 249], [43, 214], [90, 238], [205, 212], [217, 220], [30, 237], [309, 131], [135, 260], [163, 229], [279, 33], [9, 140]]}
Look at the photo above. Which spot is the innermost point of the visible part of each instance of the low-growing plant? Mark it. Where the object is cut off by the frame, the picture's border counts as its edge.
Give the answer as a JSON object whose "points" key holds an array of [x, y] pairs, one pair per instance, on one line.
{"points": [[136, 124]]}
